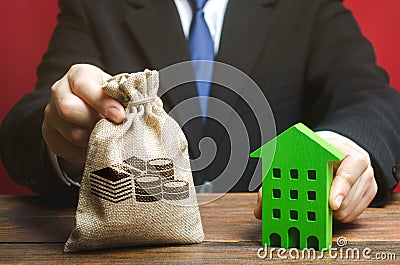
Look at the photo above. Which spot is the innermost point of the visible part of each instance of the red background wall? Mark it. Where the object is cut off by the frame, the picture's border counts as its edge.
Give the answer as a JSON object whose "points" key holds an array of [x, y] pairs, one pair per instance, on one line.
{"points": [[27, 26]]}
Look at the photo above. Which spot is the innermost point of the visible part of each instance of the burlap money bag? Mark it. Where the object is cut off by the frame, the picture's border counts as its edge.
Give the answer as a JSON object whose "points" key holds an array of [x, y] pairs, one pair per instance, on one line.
{"points": [[137, 187]]}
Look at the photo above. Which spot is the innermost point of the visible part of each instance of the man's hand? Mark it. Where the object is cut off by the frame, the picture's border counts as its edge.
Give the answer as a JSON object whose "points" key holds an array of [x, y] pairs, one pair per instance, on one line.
{"points": [[77, 103], [353, 186]]}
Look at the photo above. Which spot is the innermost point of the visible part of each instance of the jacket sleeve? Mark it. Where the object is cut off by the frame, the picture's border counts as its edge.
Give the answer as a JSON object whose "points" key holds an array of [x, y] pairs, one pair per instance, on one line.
{"points": [[349, 94], [23, 150]]}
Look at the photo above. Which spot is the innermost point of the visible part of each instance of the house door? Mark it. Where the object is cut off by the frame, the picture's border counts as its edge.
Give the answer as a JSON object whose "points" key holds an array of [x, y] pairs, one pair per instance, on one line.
{"points": [[312, 242], [275, 240], [294, 238]]}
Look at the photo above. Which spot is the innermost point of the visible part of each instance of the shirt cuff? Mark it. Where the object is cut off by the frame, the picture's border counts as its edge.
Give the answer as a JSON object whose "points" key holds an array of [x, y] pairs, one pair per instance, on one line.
{"points": [[330, 134], [63, 176]]}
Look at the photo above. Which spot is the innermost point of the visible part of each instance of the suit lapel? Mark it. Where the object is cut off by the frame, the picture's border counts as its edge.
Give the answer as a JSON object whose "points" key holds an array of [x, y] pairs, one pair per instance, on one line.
{"points": [[244, 34], [245, 30], [157, 28]]}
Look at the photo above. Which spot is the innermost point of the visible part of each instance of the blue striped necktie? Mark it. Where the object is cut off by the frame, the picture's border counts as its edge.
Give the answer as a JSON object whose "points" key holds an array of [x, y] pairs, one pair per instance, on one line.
{"points": [[201, 47]]}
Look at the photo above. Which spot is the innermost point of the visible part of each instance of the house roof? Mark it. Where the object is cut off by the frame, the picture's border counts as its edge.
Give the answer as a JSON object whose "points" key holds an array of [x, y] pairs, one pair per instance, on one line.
{"points": [[296, 134]]}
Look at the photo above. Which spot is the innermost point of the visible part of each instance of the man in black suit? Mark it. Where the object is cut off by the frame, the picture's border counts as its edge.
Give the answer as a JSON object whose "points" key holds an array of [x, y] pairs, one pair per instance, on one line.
{"points": [[308, 57]]}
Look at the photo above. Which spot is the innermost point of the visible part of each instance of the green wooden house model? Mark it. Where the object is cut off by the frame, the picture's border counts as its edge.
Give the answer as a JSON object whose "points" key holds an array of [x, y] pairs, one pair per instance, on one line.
{"points": [[295, 201]]}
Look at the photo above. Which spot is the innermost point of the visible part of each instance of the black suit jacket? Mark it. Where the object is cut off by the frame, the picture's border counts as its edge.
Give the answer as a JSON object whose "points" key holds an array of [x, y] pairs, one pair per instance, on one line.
{"points": [[308, 57]]}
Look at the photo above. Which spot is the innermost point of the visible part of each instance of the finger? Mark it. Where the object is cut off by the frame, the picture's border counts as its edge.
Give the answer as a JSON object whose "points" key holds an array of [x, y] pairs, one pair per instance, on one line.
{"points": [[76, 135], [62, 148], [359, 197], [86, 82], [350, 169], [349, 203], [159, 102], [258, 207], [71, 108], [359, 208]]}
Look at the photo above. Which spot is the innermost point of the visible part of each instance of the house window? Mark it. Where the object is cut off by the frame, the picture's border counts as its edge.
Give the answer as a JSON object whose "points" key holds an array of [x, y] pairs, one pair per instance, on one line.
{"points": [[276, 173], [294, 174], [294, 215], [311, 195], [311, 216], [312, 174], [276, 193], [276, 213], [294, 194]]}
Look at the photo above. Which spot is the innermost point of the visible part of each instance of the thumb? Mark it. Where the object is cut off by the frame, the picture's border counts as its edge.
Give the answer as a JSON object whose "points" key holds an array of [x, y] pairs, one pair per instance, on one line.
{"points": [[159, 102], [258, 207], [350, 169]]}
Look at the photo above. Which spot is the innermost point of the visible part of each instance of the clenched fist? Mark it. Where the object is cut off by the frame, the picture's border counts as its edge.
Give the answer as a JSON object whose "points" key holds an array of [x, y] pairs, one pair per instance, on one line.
{"points": [[77, 103]]}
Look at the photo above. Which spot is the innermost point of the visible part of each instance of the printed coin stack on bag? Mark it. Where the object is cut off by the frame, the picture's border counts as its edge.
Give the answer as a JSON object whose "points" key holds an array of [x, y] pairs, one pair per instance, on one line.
{"points": [[148, 188], [137, 186], [175, 190], [163, 167], [136, 164]]}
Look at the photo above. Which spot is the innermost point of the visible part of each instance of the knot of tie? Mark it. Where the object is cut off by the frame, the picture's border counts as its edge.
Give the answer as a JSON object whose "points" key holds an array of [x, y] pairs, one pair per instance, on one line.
{"points": [[198, 5]]}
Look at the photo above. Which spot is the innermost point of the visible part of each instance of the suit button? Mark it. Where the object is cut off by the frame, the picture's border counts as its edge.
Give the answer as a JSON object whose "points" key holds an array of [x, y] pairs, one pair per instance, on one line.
{"points": [[396, 171]]}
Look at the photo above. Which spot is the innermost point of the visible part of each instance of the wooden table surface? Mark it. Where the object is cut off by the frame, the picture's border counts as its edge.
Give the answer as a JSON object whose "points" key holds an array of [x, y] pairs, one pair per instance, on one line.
{"points": [[33, 232]]}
